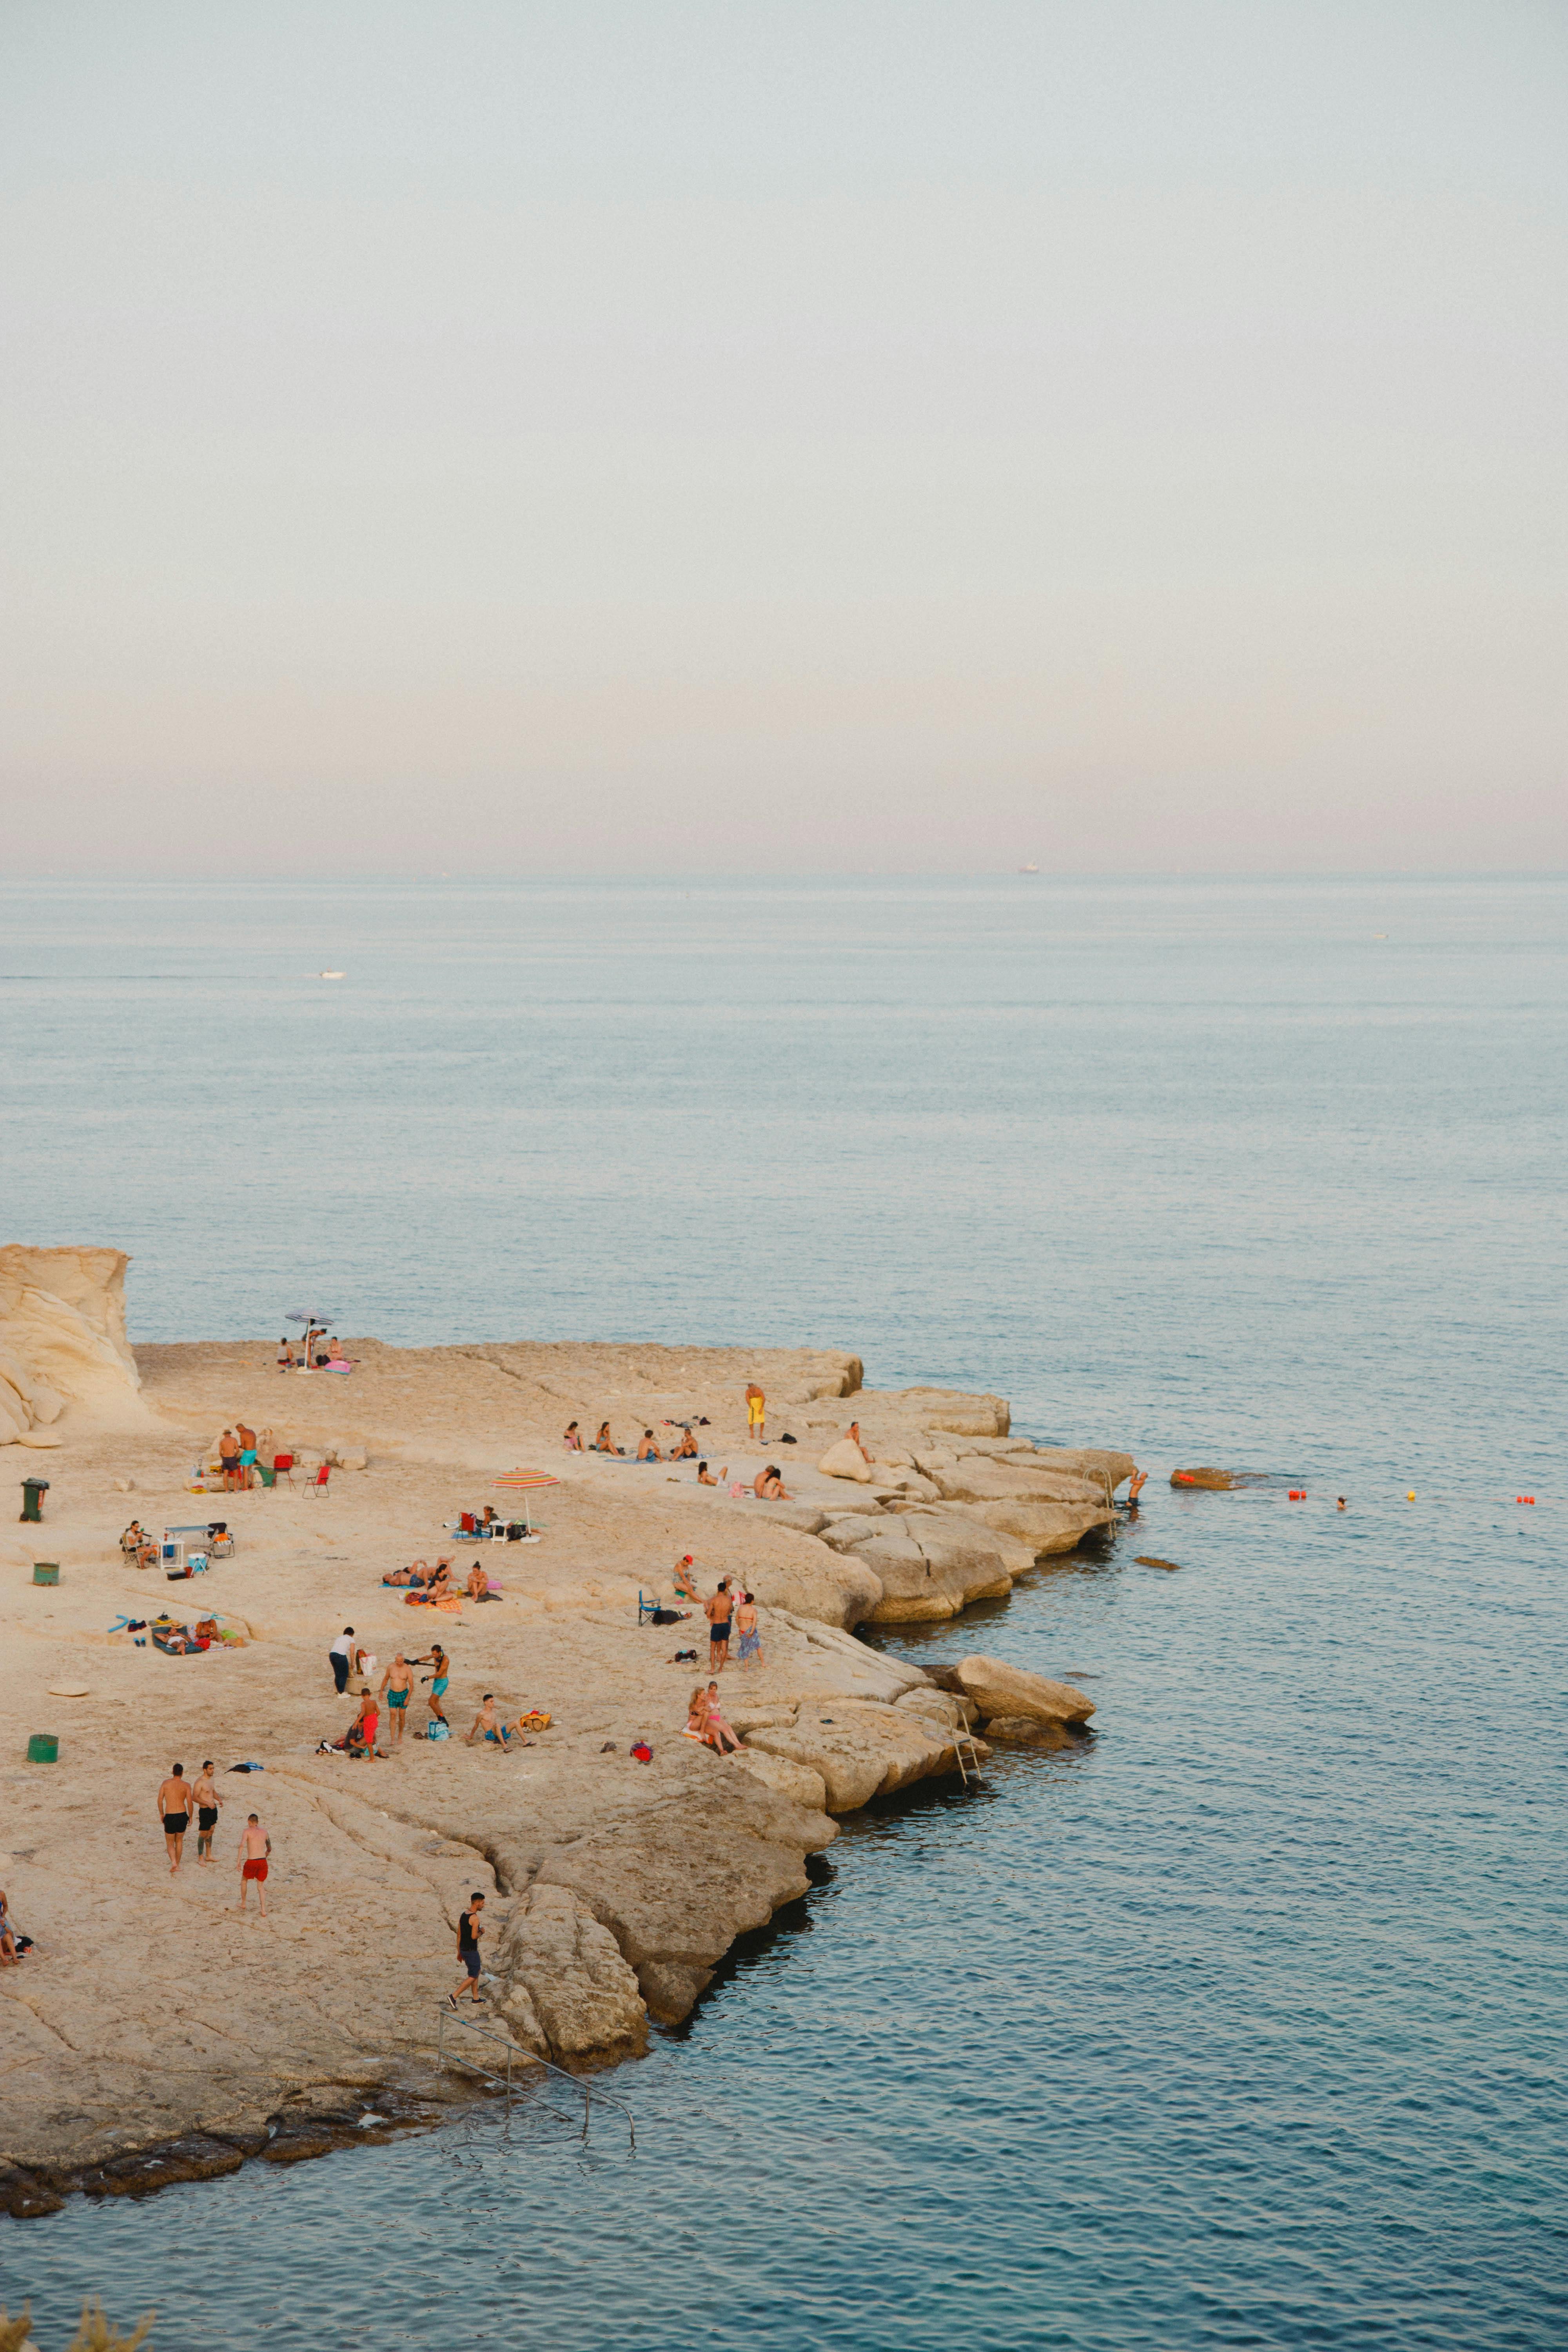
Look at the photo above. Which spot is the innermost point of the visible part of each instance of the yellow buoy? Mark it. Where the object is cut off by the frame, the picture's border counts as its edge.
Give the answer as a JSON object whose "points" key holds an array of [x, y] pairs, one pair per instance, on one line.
{"points": [[1411, 1497]]}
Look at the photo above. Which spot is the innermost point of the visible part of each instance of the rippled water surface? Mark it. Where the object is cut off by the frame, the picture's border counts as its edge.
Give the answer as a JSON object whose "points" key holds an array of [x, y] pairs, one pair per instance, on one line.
{"points": [[1241, 2027]]}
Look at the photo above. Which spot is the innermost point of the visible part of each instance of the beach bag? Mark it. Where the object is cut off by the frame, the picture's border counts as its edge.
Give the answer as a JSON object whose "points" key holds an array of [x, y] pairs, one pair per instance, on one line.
{"points": [[534, 1720], [439, 1731], [642, 1751]]}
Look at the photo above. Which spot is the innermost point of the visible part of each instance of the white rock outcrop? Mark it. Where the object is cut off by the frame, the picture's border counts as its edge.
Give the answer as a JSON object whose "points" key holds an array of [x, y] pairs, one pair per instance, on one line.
{"points": [[862, 1750], [62, 1341], [1003, 1692], [568, 1994], [845, 1460]]}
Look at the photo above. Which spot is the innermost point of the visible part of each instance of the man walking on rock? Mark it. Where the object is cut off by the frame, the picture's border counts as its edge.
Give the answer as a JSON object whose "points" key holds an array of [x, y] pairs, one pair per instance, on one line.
{"points": [[208, 1800], [471, 1928], [255, 1853], [337, 1658], [176, 1803]]}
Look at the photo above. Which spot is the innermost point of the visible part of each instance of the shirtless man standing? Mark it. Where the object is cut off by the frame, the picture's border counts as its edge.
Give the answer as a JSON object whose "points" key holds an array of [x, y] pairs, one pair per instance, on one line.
{"points": [[396, 1682], [175, 1802], [208, 1802], [255, 1853], [438, 1681], [719, 1611]]}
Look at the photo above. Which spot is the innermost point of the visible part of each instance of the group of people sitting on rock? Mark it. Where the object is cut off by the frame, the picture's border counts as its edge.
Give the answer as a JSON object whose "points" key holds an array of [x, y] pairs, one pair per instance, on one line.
{"points": [[439, 1583], [647, 1450], [324, 1351], [768, 1485]]}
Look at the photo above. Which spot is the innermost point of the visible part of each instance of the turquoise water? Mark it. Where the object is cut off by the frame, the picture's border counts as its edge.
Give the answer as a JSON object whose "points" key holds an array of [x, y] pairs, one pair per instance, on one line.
{"points": [[1242, 2027]]}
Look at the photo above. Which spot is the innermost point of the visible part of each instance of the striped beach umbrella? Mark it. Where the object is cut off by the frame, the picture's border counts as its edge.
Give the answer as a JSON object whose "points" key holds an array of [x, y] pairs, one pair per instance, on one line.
{"points": [[524, 1483]]}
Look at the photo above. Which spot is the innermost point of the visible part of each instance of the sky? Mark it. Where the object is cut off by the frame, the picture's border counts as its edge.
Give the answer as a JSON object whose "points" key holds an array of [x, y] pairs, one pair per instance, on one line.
{"points": [[829, 437]]}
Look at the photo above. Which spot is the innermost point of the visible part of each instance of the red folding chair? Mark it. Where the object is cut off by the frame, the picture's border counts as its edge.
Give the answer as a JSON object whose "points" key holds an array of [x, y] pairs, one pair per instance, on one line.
{"points": [[317, 1485]]}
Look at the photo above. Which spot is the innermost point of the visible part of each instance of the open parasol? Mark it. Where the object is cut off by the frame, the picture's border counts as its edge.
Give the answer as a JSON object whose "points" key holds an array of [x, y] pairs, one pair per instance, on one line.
{"points": [[524, 1483]]}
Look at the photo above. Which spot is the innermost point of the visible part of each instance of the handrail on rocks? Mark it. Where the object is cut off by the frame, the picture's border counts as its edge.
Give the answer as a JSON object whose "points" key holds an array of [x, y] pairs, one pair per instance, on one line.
{"points": [[448, 2016]]}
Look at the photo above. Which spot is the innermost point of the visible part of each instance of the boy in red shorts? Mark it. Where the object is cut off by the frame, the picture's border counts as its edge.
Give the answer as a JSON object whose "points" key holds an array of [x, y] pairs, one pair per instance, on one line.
{"points": [[255, 1848]]}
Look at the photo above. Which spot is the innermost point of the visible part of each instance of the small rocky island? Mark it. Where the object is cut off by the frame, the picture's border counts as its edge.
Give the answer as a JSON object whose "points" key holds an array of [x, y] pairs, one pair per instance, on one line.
{"points": [[156, 2034]]}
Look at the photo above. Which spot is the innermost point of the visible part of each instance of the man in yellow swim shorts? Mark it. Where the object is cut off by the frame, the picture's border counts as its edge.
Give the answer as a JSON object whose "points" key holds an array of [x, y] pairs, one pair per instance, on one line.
{"points": [[755, 1406]]}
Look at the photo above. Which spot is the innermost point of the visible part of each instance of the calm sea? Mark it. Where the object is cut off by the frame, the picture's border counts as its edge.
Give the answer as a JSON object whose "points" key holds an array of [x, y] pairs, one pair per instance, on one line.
{"points": [[1244, 2027]]}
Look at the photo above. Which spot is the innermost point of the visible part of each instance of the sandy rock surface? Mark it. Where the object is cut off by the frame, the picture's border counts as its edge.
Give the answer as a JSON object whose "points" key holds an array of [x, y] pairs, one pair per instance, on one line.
{"points": [[152, 2011]]}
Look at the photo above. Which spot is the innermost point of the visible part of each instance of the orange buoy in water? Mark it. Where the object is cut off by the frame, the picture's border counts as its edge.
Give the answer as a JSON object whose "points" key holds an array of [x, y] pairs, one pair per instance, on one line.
{"points": [[1296, 1494], [1524, 1498]]}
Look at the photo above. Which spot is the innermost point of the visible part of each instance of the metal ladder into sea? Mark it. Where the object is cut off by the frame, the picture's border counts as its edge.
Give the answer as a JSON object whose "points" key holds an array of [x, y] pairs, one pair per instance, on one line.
{"points": [[963, 1738], [491, 2073]]}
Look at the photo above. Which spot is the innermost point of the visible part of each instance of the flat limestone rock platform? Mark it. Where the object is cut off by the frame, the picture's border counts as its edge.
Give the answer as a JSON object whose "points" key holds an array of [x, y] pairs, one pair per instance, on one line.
{"points": [[151, 2009]]}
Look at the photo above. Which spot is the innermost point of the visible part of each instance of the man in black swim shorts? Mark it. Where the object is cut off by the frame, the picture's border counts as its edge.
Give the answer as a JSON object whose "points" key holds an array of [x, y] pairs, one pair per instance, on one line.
{"points": [[177, 1802], [719, 1611], [208, 1802]]}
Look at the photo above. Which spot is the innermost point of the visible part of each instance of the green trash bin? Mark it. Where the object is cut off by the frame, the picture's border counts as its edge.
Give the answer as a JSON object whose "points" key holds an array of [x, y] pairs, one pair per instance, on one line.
{"points": [[33, 1493], [46, 1571], [43, 1748]]}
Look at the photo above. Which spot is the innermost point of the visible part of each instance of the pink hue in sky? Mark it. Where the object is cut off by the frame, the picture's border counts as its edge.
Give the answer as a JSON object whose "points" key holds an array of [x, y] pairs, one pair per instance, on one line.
{"points": [[841, 437]]}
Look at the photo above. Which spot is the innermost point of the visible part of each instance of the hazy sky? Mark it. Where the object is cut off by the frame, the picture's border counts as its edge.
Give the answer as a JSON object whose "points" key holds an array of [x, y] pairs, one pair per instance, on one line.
{"points": [[836, 437]]}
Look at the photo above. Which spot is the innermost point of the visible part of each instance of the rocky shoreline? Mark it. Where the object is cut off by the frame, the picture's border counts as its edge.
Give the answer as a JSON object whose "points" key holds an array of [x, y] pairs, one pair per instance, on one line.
{"points": [[156, 2036]]}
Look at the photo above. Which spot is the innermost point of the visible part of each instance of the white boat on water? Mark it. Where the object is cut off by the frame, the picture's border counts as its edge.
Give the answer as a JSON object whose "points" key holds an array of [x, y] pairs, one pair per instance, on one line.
{"points": [[331, 975], [1028, 869]]}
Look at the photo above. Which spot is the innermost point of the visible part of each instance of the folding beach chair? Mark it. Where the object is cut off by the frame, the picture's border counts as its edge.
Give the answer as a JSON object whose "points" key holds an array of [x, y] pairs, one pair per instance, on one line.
{"points": [[317, 1485]]}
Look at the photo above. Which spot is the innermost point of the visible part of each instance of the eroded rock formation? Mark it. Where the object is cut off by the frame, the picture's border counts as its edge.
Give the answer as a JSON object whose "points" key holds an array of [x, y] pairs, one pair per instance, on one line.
{"points": [[62, 1342]]}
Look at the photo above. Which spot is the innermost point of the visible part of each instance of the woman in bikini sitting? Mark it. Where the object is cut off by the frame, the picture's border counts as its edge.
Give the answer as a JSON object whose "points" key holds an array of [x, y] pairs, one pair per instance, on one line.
{"points": [[720, 1735], [697, 1716], [573, 1438], [478, 1585], [605, 1443], [685, 1585]]}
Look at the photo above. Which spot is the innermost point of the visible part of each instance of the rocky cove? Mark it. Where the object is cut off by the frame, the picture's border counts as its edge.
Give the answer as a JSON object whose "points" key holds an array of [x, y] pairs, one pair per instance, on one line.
{"points": [[155, 2034]]}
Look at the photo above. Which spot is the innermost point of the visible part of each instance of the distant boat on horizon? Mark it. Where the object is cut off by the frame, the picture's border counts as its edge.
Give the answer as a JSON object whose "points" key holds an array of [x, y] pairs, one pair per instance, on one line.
{"points": [[1028, 869]]}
